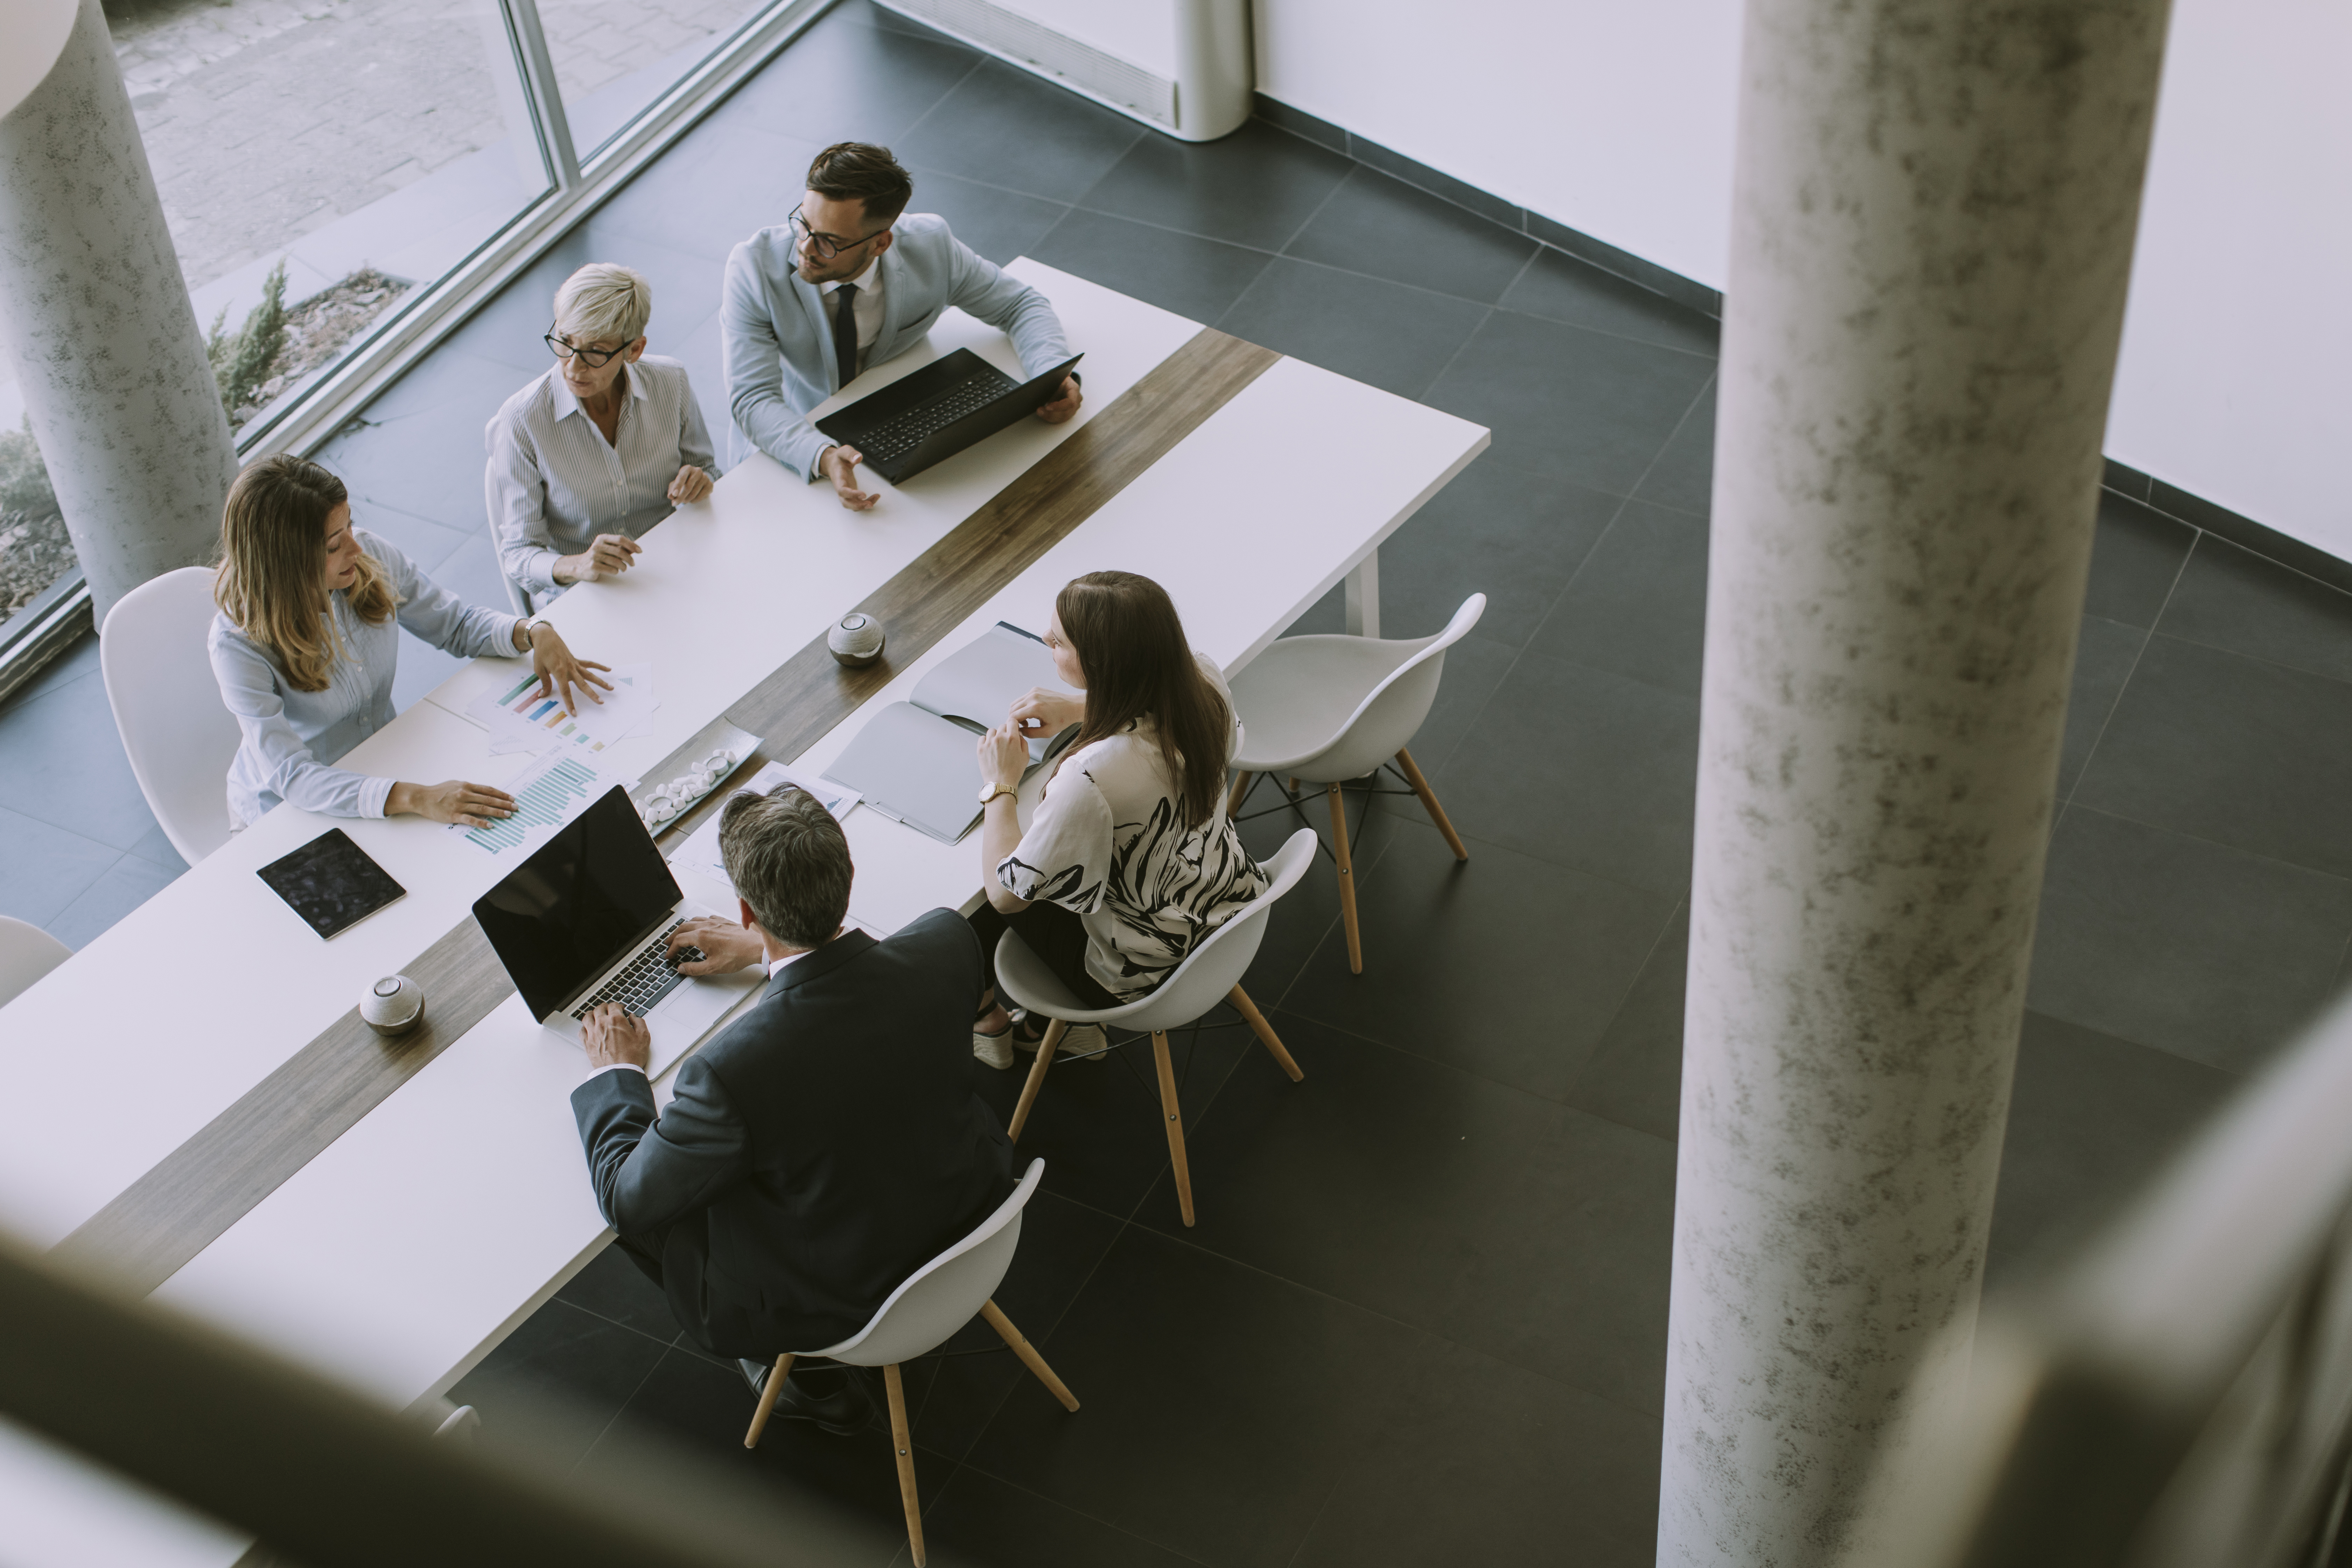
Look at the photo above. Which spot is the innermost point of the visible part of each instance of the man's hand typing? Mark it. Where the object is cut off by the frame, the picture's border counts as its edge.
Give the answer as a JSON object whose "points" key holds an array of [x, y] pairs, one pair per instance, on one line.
{"points": [[725, 946], [615, 1038]]}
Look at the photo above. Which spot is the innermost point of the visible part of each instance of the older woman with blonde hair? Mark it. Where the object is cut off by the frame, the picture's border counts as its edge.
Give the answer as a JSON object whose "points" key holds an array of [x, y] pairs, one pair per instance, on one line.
{"points": [[307, 639], [597, 450]]}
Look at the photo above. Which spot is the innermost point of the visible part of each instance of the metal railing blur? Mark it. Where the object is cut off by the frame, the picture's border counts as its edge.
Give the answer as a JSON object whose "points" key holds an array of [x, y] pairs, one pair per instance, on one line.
{"points": [[326, 1476], [2180, 1395]]}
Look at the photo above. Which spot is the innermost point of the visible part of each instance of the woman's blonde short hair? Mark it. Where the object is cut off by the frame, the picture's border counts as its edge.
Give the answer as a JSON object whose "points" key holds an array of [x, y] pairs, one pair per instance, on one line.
{"points": [[603, 303]]}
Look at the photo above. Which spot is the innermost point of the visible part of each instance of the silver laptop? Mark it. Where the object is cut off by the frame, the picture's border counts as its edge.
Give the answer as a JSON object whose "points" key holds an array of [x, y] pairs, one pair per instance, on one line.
{"points": [[587, 921]]}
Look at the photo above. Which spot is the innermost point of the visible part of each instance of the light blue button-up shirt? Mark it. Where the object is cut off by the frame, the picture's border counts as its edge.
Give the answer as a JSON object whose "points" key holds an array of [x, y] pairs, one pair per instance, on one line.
{"points": [[291, 738]]}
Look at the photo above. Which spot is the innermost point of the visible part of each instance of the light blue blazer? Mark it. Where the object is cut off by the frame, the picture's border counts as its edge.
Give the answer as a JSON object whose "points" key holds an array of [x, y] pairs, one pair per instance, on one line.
{"points": [[778, 339]]}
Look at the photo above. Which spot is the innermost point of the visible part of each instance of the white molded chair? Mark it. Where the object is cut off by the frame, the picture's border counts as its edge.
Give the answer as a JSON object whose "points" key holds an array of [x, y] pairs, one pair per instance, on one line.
{"points": [[27, 952], [923, 1314], [1210, 974], [159, 679], [1325, 709]]}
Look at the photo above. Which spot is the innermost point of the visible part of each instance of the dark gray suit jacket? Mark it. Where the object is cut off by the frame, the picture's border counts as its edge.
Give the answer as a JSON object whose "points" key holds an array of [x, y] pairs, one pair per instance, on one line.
{"points": [[824, 1147]]}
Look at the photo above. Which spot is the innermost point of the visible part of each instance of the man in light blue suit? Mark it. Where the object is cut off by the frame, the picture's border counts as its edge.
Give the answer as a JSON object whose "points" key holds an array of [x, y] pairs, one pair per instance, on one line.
{"points": [[848, 282]]}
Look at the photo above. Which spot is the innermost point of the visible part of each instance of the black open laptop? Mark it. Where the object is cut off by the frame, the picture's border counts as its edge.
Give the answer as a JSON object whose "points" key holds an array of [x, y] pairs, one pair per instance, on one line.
{"points": [[930, 415], [586, 919]]}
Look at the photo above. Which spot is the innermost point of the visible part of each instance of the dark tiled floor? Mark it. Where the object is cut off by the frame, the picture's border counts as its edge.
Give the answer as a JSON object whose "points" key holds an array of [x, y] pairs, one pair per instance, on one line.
{"points": [[1422, 1319]]}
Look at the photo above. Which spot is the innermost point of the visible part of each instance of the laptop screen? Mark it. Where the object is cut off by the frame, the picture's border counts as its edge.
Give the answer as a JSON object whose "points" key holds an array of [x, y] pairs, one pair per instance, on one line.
{"points": [[581, 901]]}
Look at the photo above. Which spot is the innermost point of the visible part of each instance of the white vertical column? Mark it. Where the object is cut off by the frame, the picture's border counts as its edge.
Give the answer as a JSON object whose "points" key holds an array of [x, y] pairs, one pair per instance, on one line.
{"points": [[105, 343], [1933, 210]]}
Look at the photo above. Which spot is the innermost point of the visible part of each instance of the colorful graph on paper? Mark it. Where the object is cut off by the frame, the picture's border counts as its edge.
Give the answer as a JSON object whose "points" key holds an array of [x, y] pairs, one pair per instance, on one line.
{"points": [[520, 719], [547, 794], [546, 713]]}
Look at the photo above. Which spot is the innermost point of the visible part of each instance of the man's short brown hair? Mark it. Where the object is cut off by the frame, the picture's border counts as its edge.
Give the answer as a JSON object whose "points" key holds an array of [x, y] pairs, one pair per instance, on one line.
{"points": [[861, 172], [790, 861]]}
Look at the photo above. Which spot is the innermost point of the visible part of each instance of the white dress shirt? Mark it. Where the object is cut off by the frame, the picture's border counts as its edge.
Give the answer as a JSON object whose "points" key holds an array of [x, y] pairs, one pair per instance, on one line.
{"points": [[866, 306], [773, 970], [866, 309], [555, 483]]}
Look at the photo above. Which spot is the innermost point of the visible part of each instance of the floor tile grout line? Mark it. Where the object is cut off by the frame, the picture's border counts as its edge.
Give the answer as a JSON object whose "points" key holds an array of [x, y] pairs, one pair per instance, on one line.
{"points": [[1308, 222], [2151, 633], [620, 1410], [1321, 1508], [2124, 686], [2345, 876], [1095, 1518], [1473, 1074], [1519, 653], [1283, 255], [1192, 1246], [602, 1318], [1455, 358], [978, 59]]}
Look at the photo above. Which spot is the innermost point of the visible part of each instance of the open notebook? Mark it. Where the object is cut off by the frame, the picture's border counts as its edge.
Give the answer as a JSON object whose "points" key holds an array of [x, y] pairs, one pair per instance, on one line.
{"points": [[917, 760]]}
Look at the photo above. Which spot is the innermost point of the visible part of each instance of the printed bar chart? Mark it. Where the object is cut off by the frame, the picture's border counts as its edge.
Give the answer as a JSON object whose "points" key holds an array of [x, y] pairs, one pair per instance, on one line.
{"points": [[525, 718], [546, 713], [543, 797]]}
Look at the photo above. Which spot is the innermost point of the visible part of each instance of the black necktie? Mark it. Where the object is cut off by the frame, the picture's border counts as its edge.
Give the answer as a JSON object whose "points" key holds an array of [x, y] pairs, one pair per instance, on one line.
{"points": [[844, 333]]}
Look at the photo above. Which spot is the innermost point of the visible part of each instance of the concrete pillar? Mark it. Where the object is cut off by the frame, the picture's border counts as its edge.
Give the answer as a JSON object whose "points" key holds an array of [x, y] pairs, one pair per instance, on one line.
{"points": [[1934, 206], [106, 346]]}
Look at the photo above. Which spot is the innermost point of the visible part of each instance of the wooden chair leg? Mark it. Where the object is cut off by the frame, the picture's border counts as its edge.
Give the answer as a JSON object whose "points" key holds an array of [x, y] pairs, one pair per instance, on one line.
{"points": [[1347, 880], [1175, 1123], [1241, 793], [768, 1401], [1028, 1354], [1263, 1030], [902, 1440], [1429, 803], [1055, 1030]]}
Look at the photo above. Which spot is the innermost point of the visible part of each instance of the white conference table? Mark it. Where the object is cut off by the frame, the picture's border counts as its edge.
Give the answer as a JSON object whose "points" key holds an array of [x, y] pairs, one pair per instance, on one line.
{"points": [[401, 1253]]}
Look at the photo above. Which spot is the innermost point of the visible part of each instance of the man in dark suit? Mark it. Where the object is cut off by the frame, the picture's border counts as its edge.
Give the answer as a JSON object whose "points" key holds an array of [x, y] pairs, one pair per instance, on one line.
{"points": [[828, 1143]]}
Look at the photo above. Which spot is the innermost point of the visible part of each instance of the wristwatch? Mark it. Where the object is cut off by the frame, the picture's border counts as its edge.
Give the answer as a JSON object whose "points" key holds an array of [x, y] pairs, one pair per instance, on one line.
{"points": [[989, 792], [529, 625]]}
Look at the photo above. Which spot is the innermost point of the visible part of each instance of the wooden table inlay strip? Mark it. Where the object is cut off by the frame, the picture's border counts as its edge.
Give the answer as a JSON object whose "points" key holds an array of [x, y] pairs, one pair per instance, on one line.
{"points": [[205, 1185]]}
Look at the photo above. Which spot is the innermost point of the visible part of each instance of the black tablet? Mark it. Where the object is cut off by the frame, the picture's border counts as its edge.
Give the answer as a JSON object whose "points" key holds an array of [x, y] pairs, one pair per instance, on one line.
{"points": [[331, 883]]}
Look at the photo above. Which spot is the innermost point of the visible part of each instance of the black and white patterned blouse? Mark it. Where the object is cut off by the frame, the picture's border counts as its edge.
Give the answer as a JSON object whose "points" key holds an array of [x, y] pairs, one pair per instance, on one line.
{"points": [[1109, 842]]}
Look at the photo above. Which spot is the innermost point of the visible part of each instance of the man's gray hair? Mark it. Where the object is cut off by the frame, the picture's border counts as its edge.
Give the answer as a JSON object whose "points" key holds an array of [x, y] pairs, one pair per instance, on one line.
{"points": [[601, 303], [790, 861]]}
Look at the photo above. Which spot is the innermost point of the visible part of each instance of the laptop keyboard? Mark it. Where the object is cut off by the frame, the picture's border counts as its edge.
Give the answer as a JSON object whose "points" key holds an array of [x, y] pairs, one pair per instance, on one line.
{"points": [[904, 433], [647, 980]]}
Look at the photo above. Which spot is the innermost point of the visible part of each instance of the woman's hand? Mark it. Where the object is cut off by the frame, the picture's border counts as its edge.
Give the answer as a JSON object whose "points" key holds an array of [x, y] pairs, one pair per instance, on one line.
{"points": [[469, 804], [559, 671], [1044, 712], [1003, 756], [612, 555], [690, 486], [725, 946]]}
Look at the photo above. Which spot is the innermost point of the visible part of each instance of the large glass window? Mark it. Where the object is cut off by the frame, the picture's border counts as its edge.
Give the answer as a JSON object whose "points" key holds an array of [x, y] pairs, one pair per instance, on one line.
{"points": [[319, 162], [613, 57], [33, 550]]}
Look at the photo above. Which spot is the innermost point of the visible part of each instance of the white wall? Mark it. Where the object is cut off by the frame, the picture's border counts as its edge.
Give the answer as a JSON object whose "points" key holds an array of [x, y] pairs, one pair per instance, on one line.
{"points": [[2236, 378], [1616, 120]]}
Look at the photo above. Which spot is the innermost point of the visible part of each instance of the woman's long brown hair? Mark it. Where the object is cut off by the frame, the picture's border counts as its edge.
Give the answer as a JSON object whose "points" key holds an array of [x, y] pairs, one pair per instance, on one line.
{"points": [[273, 562], [1130, 642]]}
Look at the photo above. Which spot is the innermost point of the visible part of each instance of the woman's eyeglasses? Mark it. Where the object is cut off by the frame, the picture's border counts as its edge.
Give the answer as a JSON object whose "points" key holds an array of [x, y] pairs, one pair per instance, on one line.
{"points": [[827, 246], [594, 359]]}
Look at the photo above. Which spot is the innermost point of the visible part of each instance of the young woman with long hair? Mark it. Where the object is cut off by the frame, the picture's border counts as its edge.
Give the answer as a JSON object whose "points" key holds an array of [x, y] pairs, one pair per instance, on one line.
{"points": [[308, 637], [1130, 861]]}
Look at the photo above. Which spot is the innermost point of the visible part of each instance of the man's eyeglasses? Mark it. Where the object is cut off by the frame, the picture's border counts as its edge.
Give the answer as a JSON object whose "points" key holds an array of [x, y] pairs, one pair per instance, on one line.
{"points": [[594, 359], [828, 246]]}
